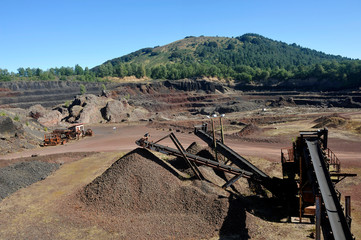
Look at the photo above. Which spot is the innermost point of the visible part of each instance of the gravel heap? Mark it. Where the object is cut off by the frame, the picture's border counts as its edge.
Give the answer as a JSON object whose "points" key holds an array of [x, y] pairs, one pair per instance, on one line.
{"points": [[153, 203], [23, 174], [332, 121], [250, 129]]}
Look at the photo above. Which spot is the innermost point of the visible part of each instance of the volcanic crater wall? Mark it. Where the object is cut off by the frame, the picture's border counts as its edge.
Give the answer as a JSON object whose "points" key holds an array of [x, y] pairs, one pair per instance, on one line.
{"points": [[24, 94], [47, 93]]}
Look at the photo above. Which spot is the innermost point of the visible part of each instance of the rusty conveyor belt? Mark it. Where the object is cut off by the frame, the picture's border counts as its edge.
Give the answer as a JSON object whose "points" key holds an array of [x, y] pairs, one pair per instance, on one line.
{"points": [[234, 157], [194, 158]]}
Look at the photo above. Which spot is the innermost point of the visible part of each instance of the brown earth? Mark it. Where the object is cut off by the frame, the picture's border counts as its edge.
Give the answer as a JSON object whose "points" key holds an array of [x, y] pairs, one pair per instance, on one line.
{"points": [[29, 213]]}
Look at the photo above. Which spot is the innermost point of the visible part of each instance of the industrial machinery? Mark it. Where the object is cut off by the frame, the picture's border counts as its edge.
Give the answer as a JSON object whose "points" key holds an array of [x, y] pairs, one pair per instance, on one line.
{"points": [[310, 172], [316, 170], [62, 136], [53, 139]]}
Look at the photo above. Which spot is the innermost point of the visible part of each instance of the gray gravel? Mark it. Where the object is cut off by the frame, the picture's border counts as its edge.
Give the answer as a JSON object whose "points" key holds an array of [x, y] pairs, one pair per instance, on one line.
{"points": [[23, 174]]}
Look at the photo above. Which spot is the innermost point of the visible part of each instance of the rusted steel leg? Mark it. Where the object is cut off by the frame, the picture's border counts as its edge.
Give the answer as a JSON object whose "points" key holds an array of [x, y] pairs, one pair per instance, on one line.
{"points": [[318, 217], [348, 210], [182, 151], [233, 180]]}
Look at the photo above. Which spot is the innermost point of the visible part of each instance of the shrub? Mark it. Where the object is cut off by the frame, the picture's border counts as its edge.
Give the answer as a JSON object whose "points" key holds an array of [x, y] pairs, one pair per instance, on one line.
{"points": [[82, 89]]}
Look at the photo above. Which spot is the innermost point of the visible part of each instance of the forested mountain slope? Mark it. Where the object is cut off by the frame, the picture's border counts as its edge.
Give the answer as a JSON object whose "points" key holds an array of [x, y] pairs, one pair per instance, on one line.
{"points": [[246, 59]]}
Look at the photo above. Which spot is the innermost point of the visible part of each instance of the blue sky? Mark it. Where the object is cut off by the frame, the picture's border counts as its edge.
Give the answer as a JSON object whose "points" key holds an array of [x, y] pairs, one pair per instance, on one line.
{"points": [[55, 33]]}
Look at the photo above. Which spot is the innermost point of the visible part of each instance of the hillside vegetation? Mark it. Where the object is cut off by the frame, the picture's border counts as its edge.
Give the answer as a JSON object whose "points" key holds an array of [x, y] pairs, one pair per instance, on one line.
{"points": [[247, 59]]}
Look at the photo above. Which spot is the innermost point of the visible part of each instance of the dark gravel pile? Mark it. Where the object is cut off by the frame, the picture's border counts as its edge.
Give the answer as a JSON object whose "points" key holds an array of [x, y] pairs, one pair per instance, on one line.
{"points": [[23, 174], [332, 121], [152, 202], [249, 130]]}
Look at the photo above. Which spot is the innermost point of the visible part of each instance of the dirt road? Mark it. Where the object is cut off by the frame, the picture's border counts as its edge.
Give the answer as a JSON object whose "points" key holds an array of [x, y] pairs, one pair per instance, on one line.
{"points": [[122, 137]]}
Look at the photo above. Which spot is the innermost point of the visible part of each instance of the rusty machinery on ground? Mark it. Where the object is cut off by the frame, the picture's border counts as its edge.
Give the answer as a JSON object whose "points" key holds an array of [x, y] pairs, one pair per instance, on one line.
{"points": [[310, 171], [62, 136]]}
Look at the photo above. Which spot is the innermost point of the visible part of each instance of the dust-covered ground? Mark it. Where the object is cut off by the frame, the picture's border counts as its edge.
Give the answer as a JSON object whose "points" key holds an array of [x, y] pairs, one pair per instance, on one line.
{"points": [[85, 199]]}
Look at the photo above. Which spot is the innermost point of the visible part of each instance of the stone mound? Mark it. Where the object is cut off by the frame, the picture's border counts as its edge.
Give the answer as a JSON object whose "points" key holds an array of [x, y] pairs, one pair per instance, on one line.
{"points": [[9, 128], [332, 121], [141, 187], [194, 148], [249, 129], [282, 101], [23, 174]]}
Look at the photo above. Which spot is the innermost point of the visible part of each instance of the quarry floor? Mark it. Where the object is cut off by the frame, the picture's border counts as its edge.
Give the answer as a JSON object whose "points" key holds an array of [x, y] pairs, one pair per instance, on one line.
{"points": [[32, 212]]}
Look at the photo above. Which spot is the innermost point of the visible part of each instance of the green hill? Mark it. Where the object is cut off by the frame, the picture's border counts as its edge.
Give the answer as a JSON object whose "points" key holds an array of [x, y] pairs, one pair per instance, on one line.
{"points": [[250, 49], [248, 58]]}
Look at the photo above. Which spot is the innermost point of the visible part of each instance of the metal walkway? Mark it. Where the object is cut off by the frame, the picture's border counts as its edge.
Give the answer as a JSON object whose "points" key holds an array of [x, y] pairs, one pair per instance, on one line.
{"points": [[337, 220]]}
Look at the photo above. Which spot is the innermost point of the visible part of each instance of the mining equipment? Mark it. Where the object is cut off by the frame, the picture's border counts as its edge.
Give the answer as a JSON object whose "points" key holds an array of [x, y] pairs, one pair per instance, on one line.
{"points": [[62, 136], [310, 172], [316, 170]]}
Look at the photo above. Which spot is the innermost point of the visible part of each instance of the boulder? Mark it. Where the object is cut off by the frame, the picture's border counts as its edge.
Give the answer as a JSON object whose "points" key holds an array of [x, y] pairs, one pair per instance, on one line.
{"points": [[117, 111], [91, 114], [138, 114], [51, 118], [37, 111], [9, 128], [282, 101], [63, 111], [87, 109], [75, 111]]}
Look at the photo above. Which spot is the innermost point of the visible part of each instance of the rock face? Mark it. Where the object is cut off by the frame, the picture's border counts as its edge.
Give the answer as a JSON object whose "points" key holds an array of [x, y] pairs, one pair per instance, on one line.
{"points": [[46, 93]]}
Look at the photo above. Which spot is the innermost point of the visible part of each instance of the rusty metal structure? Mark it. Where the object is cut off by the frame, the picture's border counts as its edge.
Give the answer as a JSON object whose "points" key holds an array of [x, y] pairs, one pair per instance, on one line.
{"points": [[310, 172], [53, 139], [316, 170], [62, 136], [192, 160]]}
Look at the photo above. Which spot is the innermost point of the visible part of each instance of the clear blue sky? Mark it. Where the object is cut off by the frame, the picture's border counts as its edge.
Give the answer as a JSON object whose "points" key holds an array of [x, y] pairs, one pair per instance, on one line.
{"points": [[55, 33]]}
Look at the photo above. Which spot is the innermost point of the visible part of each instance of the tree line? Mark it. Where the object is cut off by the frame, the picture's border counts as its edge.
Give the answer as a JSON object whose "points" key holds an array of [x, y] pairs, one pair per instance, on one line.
{"points": [[349, 72], [76, 73]]}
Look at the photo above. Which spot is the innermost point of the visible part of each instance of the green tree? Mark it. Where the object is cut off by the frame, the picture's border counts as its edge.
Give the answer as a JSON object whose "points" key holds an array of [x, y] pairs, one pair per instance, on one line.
{"points": [[78, 70], [140, 72], [82, 89], [29, 72], [21, 72], [231, 46], [244, 77], [318, 71]]}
